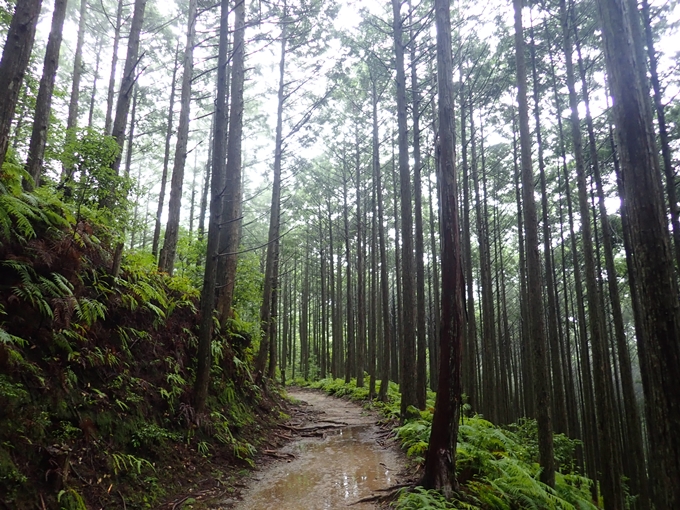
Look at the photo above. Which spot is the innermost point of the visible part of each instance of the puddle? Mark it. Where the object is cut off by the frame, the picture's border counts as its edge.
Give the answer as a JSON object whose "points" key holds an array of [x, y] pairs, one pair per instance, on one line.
{"points": [[326, 474]]}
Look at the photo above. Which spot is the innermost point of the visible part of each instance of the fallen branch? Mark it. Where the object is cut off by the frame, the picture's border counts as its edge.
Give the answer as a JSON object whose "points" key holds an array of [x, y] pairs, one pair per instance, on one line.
{"points": [[275, 454]]}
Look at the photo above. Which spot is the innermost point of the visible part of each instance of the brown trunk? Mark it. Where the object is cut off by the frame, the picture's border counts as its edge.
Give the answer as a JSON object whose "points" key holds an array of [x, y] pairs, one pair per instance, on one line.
{"points": [[361, 291], [534, 283], [114, 64], [15, 56], [653, 267], [169, 250], [440, 463], [421, 344], [350, 362], [232, 190], [43, 103], [166, 157], [408, 350], [217, 187], [129, 77], [72, 121]]}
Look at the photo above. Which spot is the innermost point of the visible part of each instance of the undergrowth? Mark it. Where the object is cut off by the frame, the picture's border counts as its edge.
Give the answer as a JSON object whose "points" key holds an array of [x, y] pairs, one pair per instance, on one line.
{"points": [[497, 467], [96, 370]]}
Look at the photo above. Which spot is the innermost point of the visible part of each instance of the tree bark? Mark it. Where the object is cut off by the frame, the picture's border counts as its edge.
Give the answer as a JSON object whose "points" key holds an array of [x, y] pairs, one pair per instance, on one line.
{"points": [[108, 122], [43, 103], [169, 250], [129, 77], [15, 57], [534, 284], [215, 224], [440, 462], [232, 190], [408, 351], [72, 121], [653, 261]]}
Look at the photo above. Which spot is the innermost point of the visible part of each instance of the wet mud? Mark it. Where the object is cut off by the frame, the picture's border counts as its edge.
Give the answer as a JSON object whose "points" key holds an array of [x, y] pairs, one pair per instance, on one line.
{"points": [[340, 456]]}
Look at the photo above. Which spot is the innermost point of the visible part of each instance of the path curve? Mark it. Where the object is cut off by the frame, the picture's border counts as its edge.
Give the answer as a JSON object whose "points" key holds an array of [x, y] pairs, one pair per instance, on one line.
{"points": [[339, 456]]}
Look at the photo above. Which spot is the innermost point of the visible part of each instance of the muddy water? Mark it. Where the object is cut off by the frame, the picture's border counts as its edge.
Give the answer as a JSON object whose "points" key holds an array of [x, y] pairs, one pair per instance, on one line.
{"points": [[327, 473]]}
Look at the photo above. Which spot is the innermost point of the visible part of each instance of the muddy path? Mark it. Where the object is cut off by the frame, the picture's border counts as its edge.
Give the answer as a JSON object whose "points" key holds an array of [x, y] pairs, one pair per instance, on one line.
{"points": [[337, 456]]}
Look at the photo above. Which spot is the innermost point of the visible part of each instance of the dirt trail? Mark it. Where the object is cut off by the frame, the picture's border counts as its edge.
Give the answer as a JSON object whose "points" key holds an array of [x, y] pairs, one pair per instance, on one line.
{"points": [[337, 457]]}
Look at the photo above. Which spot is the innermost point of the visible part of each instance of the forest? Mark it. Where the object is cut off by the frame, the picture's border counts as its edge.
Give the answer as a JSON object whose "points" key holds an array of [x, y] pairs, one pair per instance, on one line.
{"points": [[463, 214]]}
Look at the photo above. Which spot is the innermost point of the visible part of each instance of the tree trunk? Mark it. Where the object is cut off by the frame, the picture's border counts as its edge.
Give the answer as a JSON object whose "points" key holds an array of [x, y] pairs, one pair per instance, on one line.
{"points": [[421, 339], [114, 64], [43, 104], [169, 250], [350, 364], [15, 56], [653, 260], [95, 78], [72, 121], [129, 77], [408, 351], [215, 224], [361, 290], [440, 462], [534, 284], [166, 157], [232, 190]]}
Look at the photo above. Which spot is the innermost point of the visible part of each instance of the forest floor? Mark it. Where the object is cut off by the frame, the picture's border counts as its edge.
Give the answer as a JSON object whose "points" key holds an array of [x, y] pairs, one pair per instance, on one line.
{"points": [[330, 454]]}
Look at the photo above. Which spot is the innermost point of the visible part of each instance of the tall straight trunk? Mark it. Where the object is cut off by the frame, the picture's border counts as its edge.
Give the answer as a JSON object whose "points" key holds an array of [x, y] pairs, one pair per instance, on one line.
{"points": [[611, 473], [206, 183], [653, 261], [271, 368], [43, 103], [534, 283], [635, 444], [588, 414], [72, 121], [336, 330], [323, 336], [169, 129], [108, 122], [470, 352], [129, 76], [304, 318], [490, 379], [131, 132], [373, 329], [95, 79], [15, 57], [560, 409], [408, 350], [287, 299], [666, 153], [169, 250], [436, 305], [398, 299], [232, 190], [384, 276], [529, 399], [216, 190], [350, 364], [421, 338], [361, 290], [440, 463]]}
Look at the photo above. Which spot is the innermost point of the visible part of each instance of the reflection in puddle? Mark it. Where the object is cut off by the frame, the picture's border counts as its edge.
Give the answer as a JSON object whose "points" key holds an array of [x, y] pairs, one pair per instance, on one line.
{"points": [[326, 474]]}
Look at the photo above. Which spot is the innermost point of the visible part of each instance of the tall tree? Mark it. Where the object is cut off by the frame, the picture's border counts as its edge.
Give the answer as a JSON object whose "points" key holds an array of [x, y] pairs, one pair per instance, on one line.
{"points": [[215, 224], [534, 284], [169, 250], [129, 77], [440, 462], [653, 262], [232, 190], [43, 103], [15, 56], [408, 350]]}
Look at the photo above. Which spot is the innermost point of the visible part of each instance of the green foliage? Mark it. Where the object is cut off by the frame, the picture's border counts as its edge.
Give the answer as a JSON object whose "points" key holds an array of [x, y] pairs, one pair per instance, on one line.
{"points": [[89, 156], [126, 463], [22, 212], [498, 467], [69, 499]]}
